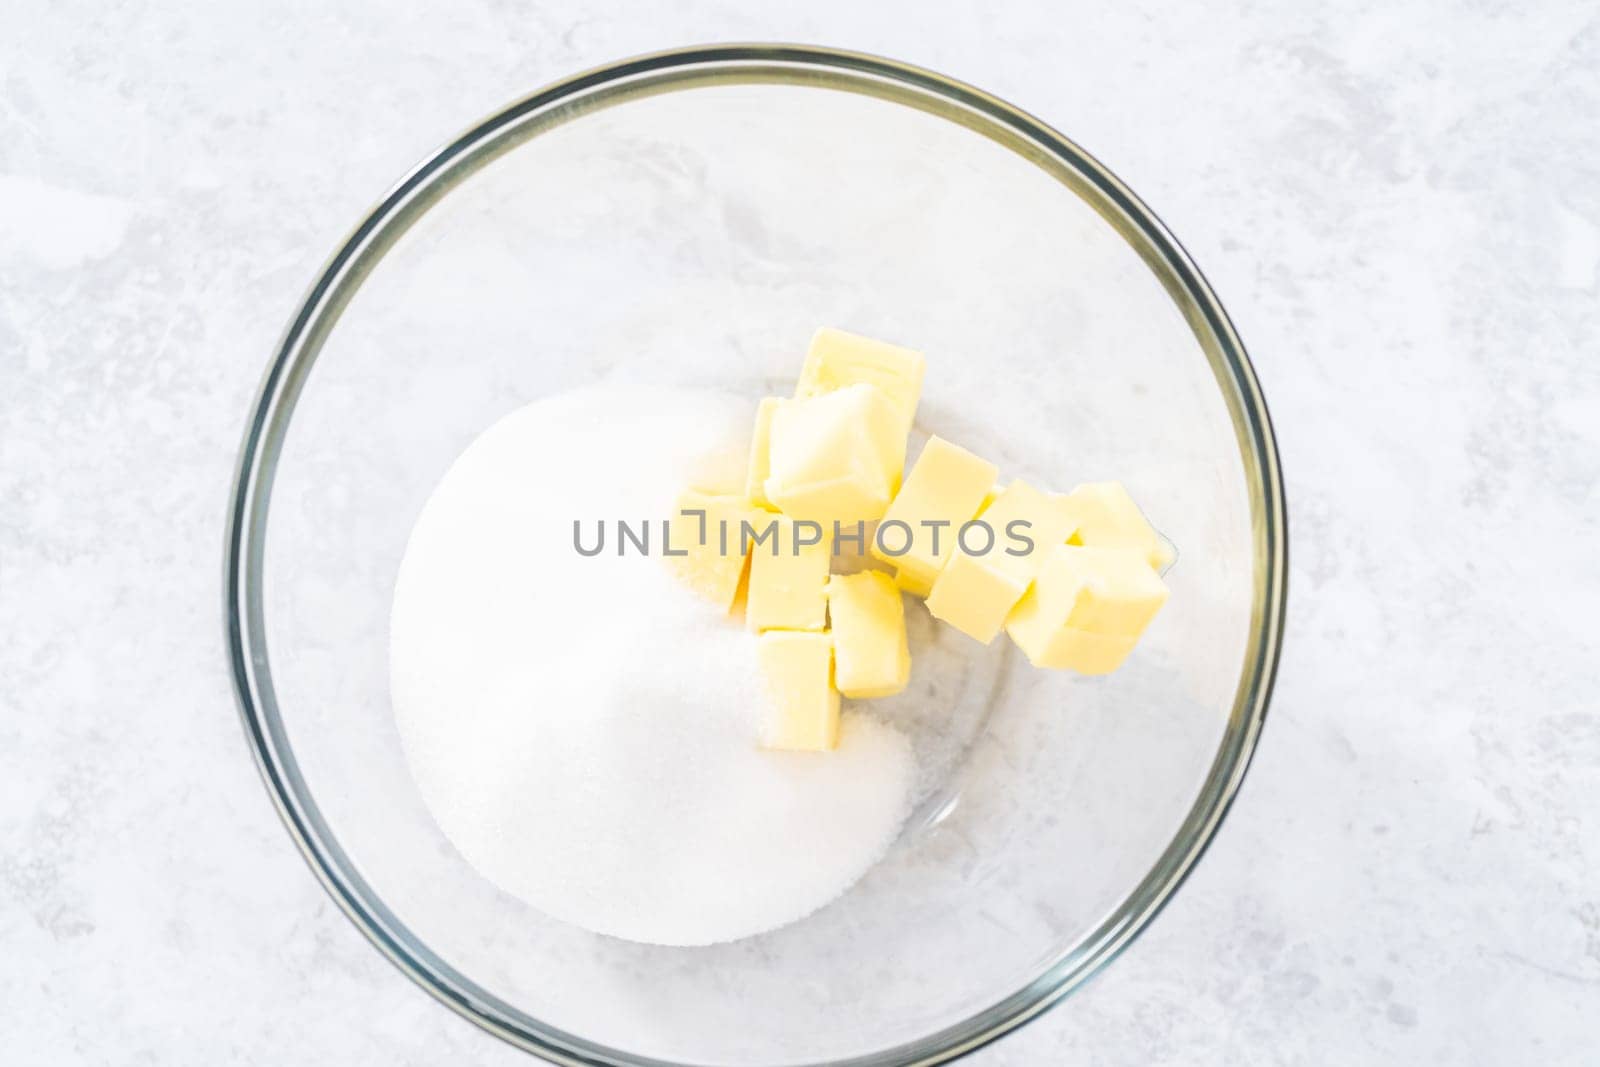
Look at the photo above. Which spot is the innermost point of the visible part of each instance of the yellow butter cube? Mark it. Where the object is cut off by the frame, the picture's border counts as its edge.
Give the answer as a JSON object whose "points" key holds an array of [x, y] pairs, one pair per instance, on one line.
{"points": [[871, 657], [837, 359], [1105, 590], [1107, 517], [973, 597], [789, 579], [1102, 592], [912, 584], [836, 456], [945, 488], [755, 483], [702, 544], [991, 568], [802, 706], [1085, 653]]}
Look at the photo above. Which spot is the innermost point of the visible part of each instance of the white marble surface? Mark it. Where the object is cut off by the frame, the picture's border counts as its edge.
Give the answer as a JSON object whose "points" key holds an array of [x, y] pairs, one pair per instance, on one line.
{"points": [[1400, 204]]}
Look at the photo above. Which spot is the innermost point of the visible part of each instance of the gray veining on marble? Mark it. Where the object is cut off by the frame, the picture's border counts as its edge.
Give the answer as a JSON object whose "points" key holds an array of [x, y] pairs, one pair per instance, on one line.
{"points": [[1400, 204]]}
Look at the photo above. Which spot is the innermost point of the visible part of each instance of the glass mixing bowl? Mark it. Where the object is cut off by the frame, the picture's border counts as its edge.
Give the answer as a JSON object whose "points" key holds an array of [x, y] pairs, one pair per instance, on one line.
{"points": [[689, 218]]}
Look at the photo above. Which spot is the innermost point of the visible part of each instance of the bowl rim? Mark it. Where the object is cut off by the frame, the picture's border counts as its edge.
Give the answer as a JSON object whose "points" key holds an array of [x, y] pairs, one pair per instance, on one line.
{"points": [[673, 70]]}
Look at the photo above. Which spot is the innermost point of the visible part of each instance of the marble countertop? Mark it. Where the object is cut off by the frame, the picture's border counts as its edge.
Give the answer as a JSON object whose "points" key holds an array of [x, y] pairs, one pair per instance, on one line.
{"points": [[1400, 204]]}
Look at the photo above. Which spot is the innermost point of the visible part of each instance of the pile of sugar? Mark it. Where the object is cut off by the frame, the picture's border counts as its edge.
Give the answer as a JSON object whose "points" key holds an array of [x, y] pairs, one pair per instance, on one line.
{"points": [[583, 729]]}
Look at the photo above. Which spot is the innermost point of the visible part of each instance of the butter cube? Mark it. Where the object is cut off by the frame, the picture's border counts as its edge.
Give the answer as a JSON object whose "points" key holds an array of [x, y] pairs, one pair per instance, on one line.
{"points": [[705, 529], [986, 577], [1107, 517], [802, 707], [755, 483], [1099, 592], [788, 580], [946, 485], [1105, 590], [973, 597], [837, 359], [836, 456], [871, 657]]}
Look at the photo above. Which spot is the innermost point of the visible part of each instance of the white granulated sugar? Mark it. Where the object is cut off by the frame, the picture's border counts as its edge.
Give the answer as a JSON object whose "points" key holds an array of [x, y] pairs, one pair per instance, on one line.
{"points": [[583, 729]]}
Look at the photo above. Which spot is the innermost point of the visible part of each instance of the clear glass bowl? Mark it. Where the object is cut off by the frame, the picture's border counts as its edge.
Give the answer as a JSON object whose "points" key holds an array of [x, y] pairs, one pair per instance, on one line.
{"points": [[690, 218]]}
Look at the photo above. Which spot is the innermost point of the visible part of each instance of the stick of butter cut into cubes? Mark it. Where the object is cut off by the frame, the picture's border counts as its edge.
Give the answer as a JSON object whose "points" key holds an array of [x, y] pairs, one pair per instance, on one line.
{"points": [[1077, 599]]}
